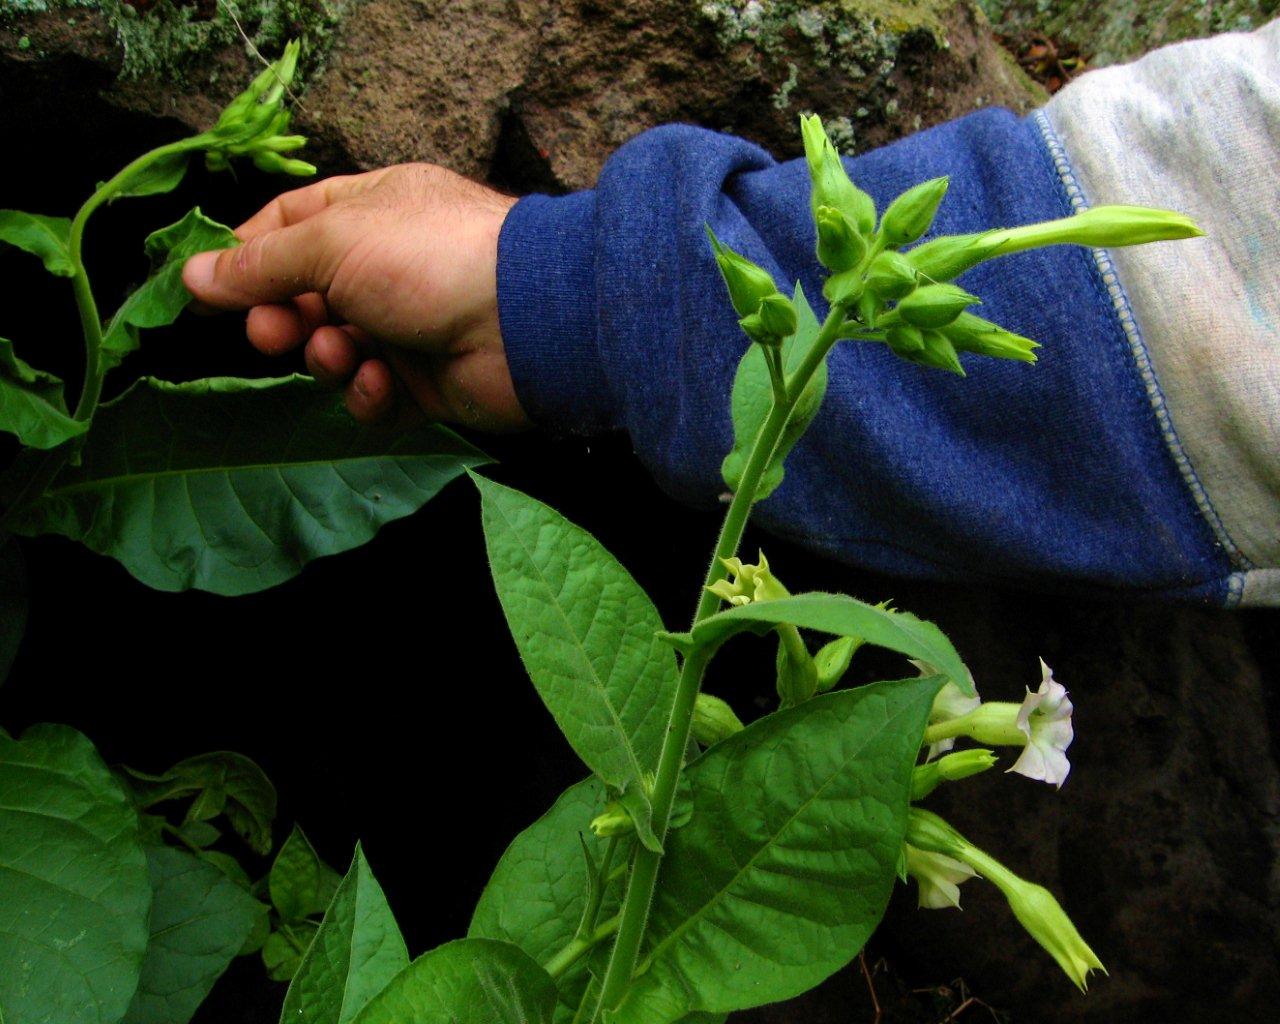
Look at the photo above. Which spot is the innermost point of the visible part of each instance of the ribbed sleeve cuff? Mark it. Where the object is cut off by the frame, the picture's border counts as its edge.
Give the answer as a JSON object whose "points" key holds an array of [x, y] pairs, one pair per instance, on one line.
{"points": [[547, 313]]}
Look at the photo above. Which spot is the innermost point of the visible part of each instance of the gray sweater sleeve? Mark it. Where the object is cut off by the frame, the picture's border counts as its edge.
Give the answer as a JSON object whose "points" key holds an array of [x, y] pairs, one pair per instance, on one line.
{"points": [[1196, 128]]}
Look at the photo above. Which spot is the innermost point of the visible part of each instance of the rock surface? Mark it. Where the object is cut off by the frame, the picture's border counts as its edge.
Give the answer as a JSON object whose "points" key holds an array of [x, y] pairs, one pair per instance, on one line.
{"points": [[531, 92]]}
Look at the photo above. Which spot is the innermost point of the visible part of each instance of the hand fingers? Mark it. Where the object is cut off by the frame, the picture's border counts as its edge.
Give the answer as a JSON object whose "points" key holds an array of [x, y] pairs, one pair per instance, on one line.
{"points": [[278, 327], [332, 356], [268, 268], [371, 395], [296, 206]]}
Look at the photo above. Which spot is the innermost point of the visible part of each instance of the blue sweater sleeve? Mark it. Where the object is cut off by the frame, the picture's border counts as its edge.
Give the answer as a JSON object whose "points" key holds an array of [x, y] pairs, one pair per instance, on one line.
{"points": [[614, 317]]}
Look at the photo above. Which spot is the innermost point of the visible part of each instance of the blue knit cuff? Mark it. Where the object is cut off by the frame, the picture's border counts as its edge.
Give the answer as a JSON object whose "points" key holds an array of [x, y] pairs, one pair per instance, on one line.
{"points": [[547, 313]]}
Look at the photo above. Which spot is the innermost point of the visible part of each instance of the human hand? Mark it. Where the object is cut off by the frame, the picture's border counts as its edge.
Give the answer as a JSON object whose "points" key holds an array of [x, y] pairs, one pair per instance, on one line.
{"points": [[389, 278]]}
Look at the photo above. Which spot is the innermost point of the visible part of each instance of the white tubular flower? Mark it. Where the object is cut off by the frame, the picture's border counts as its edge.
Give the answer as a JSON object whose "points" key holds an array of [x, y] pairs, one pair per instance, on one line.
{"points": [[938, 877], [1045, 719], [948, 704]]}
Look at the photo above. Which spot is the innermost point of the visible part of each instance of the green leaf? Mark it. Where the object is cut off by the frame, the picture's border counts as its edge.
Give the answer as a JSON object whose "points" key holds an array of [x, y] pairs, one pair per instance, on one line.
{"points": [[355, 954], [248, 797], [789, 859], [199, 921], [300, 883], [160, 176], [41, 236], [31, 403], [536, 895], [586, 634], [159, 300], [232, 485], [844, 616], [13, 604], [283, 950], [471, 981], [752, 399], [74, 890]]}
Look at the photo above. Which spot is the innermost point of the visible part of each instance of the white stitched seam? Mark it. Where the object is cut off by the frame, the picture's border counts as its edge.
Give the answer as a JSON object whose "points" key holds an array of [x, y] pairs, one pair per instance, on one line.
{"points": [[1138, 348]]}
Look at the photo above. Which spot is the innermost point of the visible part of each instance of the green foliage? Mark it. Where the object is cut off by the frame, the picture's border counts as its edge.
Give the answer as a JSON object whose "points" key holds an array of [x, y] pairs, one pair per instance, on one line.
{"points": [[356, 952], [300, 883], [745, 885], [234, 485], [162, 296], [31, 403], [74, 889], [753, 398], [470, 981], [45, 237], [199, 921], [586, 633]]}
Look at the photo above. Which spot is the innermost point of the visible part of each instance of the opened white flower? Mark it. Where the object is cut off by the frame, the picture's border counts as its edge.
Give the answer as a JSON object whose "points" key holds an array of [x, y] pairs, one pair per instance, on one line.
{"points": [[948, 704], [937, 876], [1045, 719]]}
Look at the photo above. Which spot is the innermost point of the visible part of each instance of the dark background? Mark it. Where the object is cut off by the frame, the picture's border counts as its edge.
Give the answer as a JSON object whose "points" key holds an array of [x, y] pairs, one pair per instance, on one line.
{"points": [[382, 695]]}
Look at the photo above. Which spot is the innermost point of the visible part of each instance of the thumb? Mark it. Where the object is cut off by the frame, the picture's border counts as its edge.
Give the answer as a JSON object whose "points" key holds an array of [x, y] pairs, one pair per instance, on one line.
{"points": [[269, 267]]}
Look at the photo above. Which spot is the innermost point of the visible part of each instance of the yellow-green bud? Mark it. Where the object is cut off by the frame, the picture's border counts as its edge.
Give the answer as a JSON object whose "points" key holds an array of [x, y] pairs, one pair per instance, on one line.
{"points": [[777, 315], [748, 283], [938, 353], [945, 258], [282, 72], [613, 821], [905, 340], [890, 276], [713, 720], [832, 660], [844, 288], [831, 183], [935, 305], [274, 163], [909, 216], [925, 778], [969, 333], [840, 246]]}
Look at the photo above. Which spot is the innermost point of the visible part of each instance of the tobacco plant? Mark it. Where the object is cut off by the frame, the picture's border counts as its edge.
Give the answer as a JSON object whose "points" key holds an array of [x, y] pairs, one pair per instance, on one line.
{"points": [[704, 866]]}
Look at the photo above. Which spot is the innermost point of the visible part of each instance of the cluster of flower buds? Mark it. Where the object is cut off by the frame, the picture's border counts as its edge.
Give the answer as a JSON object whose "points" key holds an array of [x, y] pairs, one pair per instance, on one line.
{"points": [[940, 858], [907, 293], [255, 124], [767, 316]]}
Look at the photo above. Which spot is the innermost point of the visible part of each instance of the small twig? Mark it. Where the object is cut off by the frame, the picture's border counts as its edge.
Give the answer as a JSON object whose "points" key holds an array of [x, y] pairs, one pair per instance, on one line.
{"points": [[871, 987]]}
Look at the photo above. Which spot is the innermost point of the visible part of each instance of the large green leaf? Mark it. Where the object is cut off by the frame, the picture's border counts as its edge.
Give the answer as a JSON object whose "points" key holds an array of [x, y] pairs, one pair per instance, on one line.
{"points": [[300, 883], [536, 895], [843, 616], [41, 236], [74, 890], [199, 921], [13, 604], [246, 796], [31, 403], [752, 398], [233, 485], [354, 956], [159, 300], [788, 861], [586, 633], [471, 981]]}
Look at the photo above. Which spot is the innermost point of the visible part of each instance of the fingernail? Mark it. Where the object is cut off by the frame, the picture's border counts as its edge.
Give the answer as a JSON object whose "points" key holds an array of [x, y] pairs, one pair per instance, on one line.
{"points": [[197, 274]]}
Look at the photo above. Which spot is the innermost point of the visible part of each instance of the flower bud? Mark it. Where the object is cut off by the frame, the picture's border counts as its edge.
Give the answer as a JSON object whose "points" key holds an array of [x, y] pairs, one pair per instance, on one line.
{"points": [[910, 215], [844, 288], [713, 720], [613, 821], [945, 258], [748, 283], [832, 660], [748, 583], [831, 184], [925, 778], [905, 340], [282, 72], [890, 276], [840, 246], [274, 163], [777, 315], [935, 305], [969, 333], [938, 353]]}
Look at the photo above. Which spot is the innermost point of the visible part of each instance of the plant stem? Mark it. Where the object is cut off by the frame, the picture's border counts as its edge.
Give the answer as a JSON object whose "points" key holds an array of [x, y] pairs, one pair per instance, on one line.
{"points": [[634, 915], [579, 947]]}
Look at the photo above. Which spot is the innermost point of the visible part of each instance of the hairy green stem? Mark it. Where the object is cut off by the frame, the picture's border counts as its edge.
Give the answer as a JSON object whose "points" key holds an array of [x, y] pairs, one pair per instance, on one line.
{"points": [[579, 946], [634, 915]]}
